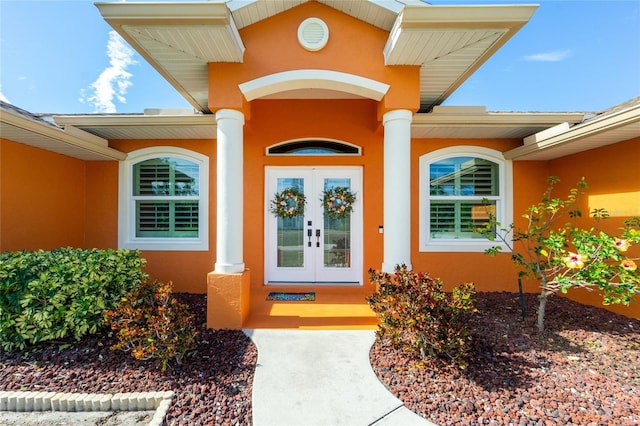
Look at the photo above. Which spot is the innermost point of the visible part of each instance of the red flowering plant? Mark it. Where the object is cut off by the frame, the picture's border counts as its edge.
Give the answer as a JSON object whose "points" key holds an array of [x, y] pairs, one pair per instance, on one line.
{"points": [[151, 324], [417, 316], [566, 256]]}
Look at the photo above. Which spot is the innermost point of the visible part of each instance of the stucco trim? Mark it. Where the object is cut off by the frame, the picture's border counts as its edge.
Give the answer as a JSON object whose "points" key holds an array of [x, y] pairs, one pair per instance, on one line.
{"points": [[313, 79]]}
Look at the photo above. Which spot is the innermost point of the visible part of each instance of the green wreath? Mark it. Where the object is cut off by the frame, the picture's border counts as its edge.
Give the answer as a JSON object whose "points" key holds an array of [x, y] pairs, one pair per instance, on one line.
{"points": [[338, 201], [288, 203]]}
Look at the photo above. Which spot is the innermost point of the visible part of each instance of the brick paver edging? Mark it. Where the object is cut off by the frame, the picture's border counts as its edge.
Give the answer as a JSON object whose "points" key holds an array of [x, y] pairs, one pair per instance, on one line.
{"points": [[76, 402]]}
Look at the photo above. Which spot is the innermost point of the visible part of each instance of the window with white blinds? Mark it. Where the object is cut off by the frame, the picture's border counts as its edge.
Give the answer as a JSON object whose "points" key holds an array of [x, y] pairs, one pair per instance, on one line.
{"points": [[463, 190], [165, 191], [164, 205], [458, 194]]}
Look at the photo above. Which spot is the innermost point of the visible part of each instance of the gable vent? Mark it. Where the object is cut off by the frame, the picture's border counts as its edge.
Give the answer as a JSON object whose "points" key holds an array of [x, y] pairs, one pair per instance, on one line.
{"points": [[313, 34]]}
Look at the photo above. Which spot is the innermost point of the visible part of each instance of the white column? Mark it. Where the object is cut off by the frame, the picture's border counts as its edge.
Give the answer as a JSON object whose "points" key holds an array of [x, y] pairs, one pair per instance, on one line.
{"points": [[229, 217], [397, 189]]}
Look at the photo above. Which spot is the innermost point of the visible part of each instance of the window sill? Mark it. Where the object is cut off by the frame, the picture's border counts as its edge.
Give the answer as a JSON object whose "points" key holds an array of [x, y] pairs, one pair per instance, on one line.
{"points": [[459, 246], [165, 245]]}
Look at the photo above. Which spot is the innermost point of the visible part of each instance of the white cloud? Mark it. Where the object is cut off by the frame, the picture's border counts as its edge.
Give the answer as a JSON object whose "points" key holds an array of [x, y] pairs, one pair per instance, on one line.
{"points": [[554, 56], [3, 98], [114, 81]]}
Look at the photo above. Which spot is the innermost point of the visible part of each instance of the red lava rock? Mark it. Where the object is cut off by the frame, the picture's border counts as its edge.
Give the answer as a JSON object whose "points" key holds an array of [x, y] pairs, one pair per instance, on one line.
{"points": [[223, 357], [528, 378]]}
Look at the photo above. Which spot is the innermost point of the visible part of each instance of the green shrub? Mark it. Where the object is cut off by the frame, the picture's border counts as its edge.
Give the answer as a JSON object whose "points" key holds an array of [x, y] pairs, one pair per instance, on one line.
{"points": [[419, 317], [46, 295], [151, 324]]}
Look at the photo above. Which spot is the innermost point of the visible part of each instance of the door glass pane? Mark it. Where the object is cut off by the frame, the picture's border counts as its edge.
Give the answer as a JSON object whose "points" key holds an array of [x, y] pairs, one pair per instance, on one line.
{"points": [[290, 232], [337, 231]]}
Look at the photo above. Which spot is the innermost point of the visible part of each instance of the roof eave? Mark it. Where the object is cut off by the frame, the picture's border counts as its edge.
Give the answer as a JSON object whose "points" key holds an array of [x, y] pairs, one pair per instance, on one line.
{"points": [[506, 20], [82, 144], [457, 116], [123, 16], [553, 147]]}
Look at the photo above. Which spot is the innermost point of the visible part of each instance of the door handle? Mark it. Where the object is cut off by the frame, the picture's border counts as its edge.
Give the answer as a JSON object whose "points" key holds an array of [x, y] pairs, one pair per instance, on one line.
{"points": [[309, 234], [317, 238]]}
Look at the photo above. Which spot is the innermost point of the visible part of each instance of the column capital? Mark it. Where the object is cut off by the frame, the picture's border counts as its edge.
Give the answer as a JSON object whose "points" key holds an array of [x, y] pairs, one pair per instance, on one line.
{"points": [[397, 114], [230, 114]]}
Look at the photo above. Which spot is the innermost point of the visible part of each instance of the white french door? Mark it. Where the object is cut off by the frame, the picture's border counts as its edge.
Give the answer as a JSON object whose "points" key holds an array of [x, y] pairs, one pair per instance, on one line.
{"points": [[313, 247]]}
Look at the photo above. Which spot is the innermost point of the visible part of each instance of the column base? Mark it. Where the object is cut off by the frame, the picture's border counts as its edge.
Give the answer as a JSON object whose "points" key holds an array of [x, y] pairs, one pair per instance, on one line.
{"points": [[228, 300]]}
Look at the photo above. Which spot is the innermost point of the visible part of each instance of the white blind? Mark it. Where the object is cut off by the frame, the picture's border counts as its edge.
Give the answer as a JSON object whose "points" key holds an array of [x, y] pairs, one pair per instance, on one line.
{"points": [[166, 197], [463, 191]]}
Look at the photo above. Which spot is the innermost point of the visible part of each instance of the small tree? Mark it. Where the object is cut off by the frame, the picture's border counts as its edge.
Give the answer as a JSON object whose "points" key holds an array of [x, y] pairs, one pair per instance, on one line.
{"points": [[566, 256]]}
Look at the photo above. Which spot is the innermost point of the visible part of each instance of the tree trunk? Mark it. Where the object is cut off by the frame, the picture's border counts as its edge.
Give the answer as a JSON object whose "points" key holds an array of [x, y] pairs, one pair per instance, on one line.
{"points": [[541, 307]]}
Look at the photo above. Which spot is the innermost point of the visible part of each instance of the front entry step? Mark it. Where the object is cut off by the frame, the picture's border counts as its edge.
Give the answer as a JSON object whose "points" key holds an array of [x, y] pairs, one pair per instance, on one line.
{"points": [[334, 308]]}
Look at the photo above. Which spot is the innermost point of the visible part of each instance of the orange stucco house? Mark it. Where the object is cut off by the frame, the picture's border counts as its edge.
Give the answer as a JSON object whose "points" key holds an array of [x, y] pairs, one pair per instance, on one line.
{"points": [[317, 149]]}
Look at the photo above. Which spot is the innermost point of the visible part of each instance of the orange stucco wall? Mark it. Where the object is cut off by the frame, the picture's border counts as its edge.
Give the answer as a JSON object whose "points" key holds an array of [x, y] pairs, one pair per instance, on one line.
{"points": [[272, 46], [614, 184], [275, 121], [186, 269], [41, 198]]}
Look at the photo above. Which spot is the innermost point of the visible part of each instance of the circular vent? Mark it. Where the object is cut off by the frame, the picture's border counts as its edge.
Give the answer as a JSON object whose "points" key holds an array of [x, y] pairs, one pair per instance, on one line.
{"points": [[313, 34]]}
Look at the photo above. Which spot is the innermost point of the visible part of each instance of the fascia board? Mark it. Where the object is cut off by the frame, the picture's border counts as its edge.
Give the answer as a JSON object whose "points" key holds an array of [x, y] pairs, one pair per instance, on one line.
{"points": [[580, 131], [496, 119], [474, 16], [74, 138], [157, 13], [136, 120]]}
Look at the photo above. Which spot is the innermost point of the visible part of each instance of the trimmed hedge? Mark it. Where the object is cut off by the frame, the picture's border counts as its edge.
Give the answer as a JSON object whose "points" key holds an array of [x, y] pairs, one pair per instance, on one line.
{"points": [[62, 293]]}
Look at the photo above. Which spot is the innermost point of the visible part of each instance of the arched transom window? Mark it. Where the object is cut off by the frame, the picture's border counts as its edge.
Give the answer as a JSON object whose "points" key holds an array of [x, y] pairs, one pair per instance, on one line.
{"points": [[313, 147]]}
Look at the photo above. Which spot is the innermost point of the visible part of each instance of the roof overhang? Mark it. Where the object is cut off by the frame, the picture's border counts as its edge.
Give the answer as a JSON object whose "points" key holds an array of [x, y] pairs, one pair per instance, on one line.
{"points": [[179, 40], [18, 126], [452, 122], [442, 123], [604, 129], [139, 126], [448, 43]]}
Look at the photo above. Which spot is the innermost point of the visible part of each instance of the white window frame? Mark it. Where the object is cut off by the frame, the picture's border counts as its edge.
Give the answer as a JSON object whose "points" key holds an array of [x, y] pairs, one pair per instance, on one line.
{"points": [[504, 200], [127, 238]]}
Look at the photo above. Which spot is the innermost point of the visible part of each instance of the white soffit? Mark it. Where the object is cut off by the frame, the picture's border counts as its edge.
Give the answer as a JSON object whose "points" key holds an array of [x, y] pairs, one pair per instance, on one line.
{"points": [[380, 13], [178, 40], [69, 141], [450, 42], [138, 126], [604, 129], [474, 122]]}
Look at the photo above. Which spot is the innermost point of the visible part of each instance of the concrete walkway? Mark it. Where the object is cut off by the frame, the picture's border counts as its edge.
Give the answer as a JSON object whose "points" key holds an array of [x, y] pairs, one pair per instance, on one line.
{"points": [[321, 377]]}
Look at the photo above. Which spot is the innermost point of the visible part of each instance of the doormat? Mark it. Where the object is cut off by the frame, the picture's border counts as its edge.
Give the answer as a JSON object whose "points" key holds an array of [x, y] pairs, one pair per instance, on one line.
{"points": [[292, 297]]}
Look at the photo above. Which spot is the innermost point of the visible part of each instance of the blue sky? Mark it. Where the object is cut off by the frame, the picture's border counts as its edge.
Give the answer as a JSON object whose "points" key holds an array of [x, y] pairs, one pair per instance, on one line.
{"points": [[62, 57]]}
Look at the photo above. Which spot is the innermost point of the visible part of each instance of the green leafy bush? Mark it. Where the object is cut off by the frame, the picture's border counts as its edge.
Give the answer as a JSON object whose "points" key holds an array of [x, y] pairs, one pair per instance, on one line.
{"points": [[565, 256], [46, 295], [419, 317], [151, 324]]}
